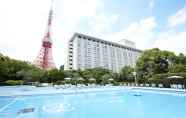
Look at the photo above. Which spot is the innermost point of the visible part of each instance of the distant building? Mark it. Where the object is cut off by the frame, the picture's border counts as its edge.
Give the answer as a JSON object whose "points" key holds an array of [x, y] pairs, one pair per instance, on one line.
{"points": [[89, 52]]}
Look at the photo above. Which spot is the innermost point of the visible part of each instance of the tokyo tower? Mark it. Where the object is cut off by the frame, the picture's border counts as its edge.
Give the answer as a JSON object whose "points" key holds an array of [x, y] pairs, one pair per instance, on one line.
{"points": [[44, 59]]}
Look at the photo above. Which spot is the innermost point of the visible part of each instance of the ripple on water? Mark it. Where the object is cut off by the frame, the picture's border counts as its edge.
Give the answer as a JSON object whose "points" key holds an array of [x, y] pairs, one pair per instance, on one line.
{"points": [[60, 107]]}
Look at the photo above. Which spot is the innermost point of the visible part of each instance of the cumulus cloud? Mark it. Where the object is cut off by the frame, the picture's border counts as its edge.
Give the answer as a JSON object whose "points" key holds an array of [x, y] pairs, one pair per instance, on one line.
{"points": [[100, 23], [22, 27], [23, 24], [179, 18], [171, 40], [141, 32]]}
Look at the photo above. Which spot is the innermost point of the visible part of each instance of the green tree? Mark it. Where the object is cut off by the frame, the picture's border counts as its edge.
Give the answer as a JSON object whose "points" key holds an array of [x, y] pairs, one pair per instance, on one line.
{"points": [[56, 75], [105, 78], [154, 61], [126, 73], [97, 73]]}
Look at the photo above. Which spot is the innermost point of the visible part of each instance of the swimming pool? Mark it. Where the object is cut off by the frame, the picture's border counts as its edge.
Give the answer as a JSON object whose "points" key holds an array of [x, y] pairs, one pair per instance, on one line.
{"points": [[95, 103]]}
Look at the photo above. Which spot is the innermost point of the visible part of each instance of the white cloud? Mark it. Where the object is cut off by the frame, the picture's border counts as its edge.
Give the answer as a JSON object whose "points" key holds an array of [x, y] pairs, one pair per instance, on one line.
{"points": [[141, 32], [101, 23], [22, 27], [23, 24], [172, 40], [151, 4], [179, 18], [71, 12]]}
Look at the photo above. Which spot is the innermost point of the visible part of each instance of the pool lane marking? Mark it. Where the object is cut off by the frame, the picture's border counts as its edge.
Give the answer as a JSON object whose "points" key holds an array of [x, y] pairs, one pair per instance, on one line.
{"points": [[6, 106]]}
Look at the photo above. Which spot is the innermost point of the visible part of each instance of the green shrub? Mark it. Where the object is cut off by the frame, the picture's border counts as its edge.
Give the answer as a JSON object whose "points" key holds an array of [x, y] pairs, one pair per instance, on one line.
{"points": [[13, 82], [59, 82], [115, 83]]}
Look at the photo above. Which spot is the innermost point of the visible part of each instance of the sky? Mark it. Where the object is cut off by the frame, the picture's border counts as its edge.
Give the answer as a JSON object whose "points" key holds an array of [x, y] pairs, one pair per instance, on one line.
{"points": [[149, 23]]}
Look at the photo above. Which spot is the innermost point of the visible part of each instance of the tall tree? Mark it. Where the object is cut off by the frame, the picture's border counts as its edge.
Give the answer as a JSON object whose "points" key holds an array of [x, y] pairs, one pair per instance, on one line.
{"points": [[126, 73], [154, 61]]}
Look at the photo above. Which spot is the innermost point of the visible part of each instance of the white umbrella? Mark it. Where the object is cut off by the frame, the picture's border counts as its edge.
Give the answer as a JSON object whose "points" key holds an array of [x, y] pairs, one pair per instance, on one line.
{"points": [[67, 78], [80, 79], [110, 79], [172, 77], [92, 79]]}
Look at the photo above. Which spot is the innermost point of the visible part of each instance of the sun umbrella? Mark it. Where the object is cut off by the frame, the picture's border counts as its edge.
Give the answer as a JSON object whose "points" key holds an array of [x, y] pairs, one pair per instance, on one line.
{"points": [[110, 79], [92, 79], [80, 79], [173, 77], [67, 78]]}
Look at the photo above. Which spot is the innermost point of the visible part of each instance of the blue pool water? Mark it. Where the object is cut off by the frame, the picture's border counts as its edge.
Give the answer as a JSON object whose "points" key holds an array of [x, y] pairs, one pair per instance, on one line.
{"points": [[120, 103]]}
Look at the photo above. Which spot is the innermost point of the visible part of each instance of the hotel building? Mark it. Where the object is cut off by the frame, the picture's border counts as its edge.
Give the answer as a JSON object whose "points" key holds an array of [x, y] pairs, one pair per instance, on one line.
{"points": [[86, 52]]}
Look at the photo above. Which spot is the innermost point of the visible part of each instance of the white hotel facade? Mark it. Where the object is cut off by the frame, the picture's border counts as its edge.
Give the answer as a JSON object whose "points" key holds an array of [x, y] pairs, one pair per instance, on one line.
{"points": [[86, 52]]}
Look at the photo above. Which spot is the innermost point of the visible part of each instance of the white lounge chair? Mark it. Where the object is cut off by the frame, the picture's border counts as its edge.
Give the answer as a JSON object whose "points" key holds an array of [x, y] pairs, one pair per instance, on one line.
{"points": [[153, 85], [180, 86], [172, 86], [160, 85], [44, 84], [175, 86], [132, 84], [147, 85]]}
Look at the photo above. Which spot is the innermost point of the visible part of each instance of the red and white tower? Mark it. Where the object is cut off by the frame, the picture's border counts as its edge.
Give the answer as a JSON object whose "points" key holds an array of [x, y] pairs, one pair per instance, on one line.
{"points": [[44, 59]]}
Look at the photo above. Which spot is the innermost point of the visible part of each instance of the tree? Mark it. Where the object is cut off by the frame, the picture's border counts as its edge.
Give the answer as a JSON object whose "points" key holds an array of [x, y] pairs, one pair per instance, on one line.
{"points": [[177, 68], [56, 75], [105, 79], [97, 73], [116, 76], [126, 73], [154, 61]]}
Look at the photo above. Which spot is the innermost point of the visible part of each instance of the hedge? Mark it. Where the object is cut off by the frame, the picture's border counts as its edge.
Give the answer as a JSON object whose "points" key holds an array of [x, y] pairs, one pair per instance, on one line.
{"points": [[13, 82]]}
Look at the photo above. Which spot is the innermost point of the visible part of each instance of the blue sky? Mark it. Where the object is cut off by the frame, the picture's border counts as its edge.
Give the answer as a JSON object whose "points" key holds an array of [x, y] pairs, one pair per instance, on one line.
{"points": [[149, 23]]}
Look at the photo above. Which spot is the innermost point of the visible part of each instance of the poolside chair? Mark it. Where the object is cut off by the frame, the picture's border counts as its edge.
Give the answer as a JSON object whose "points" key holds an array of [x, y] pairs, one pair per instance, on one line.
{"points": [[153, 85], [141, 85], [108, 85], [147, 85], [136, 84], [175, 86], [132, 84], [172, 86], [160, 85], [79, 86], [180, 86], [56, 86], [44, 84]]}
